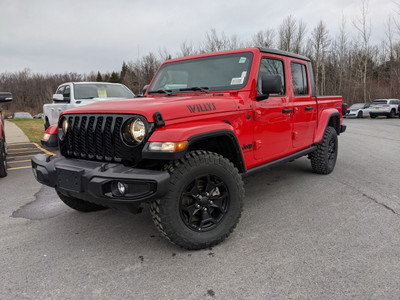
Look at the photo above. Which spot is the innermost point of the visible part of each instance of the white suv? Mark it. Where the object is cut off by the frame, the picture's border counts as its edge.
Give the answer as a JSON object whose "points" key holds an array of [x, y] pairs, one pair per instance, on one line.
{"points": [[384, 107]]}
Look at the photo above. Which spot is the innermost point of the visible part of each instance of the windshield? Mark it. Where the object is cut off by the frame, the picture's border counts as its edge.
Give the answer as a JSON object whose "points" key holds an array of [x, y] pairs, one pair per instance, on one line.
{"points": [[223, 72], [101, 90], [357, 106]]}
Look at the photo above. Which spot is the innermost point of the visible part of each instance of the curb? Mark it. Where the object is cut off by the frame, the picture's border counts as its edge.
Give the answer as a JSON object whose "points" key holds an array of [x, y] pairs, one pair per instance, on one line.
{"points": [[14, 134]]}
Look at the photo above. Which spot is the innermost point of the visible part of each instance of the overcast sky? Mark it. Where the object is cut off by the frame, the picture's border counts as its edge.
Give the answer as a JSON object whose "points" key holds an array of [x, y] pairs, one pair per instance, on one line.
{"points": [[51, 36]]}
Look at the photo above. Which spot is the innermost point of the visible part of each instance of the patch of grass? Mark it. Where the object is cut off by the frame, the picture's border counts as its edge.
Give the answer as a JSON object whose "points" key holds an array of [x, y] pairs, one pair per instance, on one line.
{"points": [[33, 128]]}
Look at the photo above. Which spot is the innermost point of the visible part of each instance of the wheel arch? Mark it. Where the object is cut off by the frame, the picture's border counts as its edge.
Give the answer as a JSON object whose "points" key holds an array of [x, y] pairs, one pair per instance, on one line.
{"points": [[223, 142], [328, 118]]}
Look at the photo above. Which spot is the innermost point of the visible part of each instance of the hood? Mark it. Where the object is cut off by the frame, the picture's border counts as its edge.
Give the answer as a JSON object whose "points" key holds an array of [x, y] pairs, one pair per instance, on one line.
{"points": [[93, 100], [170, 107]]}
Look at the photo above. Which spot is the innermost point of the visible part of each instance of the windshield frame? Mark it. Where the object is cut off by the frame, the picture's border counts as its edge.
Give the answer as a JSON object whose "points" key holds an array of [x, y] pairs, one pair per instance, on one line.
{"points": [[195, 88]]}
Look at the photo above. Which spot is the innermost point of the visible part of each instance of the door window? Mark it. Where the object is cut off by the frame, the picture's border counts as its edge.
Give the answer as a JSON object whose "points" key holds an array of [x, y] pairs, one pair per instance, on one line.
{"points": [[60, 90], [270, 66], [299, 79]]}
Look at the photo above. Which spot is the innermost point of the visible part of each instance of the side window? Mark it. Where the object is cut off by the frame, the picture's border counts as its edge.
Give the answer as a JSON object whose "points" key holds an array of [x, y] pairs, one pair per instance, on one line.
{"points": [[61, 90], [299, 79], [270, 66], [67, 92]]}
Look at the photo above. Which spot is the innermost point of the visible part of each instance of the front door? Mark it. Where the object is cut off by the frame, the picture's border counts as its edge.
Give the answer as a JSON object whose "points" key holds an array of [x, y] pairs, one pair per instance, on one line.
{"points": [[272, 116]]}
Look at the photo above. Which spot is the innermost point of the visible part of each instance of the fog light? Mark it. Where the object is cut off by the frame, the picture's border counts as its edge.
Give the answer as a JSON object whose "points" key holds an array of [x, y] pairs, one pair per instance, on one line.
{"points": [[122, 188]]}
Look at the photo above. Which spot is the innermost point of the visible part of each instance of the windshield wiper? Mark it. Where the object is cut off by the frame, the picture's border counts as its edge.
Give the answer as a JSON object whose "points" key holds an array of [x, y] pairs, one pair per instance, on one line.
{"points": [[84, 98], [166, 92], [196, 88]]}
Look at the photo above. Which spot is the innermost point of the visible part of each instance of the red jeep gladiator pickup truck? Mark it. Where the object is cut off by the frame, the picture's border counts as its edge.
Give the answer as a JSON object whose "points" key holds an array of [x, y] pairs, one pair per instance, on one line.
{"points": [[205, 122], [4, 97]]}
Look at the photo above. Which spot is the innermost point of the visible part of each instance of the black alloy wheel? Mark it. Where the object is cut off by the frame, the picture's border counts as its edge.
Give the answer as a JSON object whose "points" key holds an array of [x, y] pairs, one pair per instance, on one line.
{"points": [[204, 203]]}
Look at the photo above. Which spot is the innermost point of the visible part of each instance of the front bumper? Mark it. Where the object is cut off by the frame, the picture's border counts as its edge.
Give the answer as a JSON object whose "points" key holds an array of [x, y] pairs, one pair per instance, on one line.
{"points": [[97, 182], [351, 115], [380, 112]]}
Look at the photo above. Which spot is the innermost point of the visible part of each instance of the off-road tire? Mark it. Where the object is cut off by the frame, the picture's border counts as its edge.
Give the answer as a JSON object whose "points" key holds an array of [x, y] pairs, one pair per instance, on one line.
{"points": [[193, 185], [78, 204], [3, 161], [323, 159], [391, 114]]}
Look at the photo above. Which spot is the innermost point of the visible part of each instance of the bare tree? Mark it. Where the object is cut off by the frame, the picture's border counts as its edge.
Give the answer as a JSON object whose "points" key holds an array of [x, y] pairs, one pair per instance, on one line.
{"points": [[219, 42], [287, 33], [320, 43], [363, 26], [263, 38], [300, 36], [187, 49]]}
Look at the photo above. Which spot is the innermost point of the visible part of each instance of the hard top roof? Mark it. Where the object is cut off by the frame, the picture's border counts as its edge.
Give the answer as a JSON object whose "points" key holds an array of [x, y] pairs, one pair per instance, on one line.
{"points": [[283, 53]]}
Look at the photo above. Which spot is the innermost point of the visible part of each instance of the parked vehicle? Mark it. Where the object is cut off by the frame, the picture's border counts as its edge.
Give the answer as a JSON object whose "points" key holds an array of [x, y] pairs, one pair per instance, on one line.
{"points": [[4, 97], [39, 116], [206, 121], [22, 115], [358, 110], [75, 94], [384, 107]]}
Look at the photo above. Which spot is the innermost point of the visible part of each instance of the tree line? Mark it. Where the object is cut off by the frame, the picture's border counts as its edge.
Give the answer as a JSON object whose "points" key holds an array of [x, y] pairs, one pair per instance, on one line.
{"points": [[344, 64]]}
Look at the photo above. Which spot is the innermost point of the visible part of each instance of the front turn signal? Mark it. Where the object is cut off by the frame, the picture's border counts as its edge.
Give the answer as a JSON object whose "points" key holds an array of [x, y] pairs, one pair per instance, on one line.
{"points": [[167, 146]]}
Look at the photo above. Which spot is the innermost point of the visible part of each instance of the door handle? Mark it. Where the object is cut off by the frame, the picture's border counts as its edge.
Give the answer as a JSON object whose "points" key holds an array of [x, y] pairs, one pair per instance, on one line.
{"points": [[308, 108], [286, 111]]}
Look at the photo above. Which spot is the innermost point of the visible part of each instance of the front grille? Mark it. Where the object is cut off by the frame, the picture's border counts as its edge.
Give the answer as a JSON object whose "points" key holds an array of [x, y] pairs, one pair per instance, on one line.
{"points": [[98, 137]]}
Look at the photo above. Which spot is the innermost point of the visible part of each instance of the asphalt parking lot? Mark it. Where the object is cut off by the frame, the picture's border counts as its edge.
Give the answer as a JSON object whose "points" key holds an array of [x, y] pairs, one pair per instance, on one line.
{"points": [[20, 154], [301, 236]]}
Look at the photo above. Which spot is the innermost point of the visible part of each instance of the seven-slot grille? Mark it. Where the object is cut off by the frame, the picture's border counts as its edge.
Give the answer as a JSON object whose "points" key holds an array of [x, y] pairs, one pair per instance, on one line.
{"points": [[95, 137]]}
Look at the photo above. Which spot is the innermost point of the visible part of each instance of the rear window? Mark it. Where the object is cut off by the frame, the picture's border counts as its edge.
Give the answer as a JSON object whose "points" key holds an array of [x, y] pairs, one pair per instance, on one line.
{"points": [[381, 101]]}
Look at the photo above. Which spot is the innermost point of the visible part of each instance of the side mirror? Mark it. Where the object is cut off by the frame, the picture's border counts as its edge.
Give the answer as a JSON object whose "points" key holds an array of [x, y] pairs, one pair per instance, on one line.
{"points": [[271, 84], [145, 89], [5, 97], [58, 97]]}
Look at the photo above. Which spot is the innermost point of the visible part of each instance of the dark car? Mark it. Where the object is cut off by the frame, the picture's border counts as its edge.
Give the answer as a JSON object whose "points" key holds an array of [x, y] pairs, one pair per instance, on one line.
{"points": [[4, 97]]}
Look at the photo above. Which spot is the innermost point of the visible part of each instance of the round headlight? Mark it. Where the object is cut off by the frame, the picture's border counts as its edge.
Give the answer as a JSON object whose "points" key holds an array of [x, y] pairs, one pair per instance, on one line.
{"points": [[65, 126], [134, 131], [137, 130]]}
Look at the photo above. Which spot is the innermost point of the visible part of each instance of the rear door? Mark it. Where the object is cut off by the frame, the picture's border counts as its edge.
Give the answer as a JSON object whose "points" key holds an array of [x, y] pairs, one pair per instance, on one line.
{"points": [[304, 106]]}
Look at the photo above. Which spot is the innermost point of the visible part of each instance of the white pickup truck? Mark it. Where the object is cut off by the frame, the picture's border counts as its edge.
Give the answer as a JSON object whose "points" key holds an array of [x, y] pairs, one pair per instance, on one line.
{"points": [[75, 94]]}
